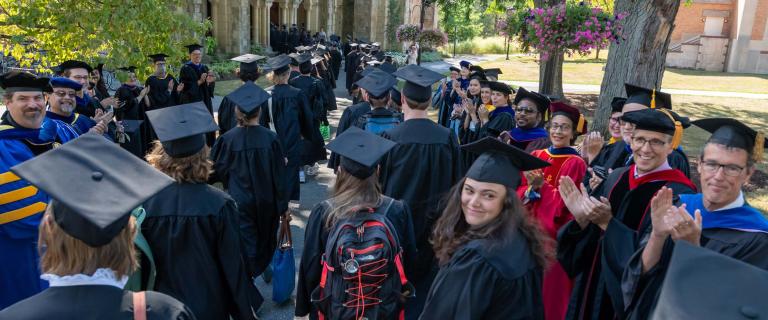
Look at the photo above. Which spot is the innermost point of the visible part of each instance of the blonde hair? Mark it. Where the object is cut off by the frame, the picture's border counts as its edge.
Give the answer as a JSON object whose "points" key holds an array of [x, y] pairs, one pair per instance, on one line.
{"points": [[62, 254], [193, 169], [351, 194]]}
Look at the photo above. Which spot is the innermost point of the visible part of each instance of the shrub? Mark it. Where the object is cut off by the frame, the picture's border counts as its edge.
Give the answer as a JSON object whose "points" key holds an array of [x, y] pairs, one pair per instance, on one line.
{"points": [[407, 33]]}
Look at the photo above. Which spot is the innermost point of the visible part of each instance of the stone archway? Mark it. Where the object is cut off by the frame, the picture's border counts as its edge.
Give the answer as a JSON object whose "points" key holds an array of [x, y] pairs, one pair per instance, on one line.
{"points": [[274, 14], [301, 15]]}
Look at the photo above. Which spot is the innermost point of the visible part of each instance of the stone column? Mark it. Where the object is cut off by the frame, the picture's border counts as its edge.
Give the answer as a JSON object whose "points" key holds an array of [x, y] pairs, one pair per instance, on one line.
{"points": [[266, 18], [338, 18], [295, 11], [285, 16], [313, 16]]}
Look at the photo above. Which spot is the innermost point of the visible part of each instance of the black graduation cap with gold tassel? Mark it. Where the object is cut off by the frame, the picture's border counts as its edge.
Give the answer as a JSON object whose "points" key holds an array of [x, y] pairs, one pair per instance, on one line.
{"points": [[735, 134]]}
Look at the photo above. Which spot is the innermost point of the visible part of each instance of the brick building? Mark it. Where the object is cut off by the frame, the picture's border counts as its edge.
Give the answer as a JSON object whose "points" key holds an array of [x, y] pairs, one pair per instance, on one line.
{"points": [[721, 35], [237, 24]]}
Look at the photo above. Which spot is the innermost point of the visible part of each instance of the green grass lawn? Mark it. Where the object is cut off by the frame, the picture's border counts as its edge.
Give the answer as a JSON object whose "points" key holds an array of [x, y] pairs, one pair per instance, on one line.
{"points": [[750, 111], [587, 70]]}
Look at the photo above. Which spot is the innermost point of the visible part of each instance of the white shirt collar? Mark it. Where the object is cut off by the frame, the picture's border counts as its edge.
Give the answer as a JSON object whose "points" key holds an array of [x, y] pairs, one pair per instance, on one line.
{"points": [[739, 202], [662, 167], [102, 276]]}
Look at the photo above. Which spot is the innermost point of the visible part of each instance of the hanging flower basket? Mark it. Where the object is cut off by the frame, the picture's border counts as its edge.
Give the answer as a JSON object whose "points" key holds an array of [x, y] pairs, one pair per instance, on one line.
{"points": [[432, 38], [407, 33]]}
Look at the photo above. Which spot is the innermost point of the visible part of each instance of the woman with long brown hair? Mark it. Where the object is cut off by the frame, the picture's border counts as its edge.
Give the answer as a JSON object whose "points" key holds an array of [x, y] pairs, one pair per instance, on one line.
{"points": [[491, 253], [356, 192], [192, 228], [87, 231]]}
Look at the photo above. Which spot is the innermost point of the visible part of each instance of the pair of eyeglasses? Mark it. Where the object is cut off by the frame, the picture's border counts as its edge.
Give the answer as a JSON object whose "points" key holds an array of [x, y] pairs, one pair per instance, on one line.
{"points": [[654, 143], [525, 110], [561, 128], [730, 170], [62, 94]]}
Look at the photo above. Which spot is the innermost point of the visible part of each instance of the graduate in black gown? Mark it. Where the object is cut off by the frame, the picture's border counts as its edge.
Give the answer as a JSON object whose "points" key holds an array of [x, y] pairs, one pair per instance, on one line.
{"points": [[248, 72], [502, 118], [355, 188], [718, 219], [376, 87], [290, 117], [312, 89], [250, 162], [130, 111], [163, 87], [608, 224], [352, 61], [193, 228], [199, 83], [336, 59], [491, 252], [99, 226], [422, 167], [348, 118]]}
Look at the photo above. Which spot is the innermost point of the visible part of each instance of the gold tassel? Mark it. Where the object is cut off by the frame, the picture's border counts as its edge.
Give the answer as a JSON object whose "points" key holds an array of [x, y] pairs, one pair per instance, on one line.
{"points": [[677, 138], [759, 148], [653, 100], [580, 126]]}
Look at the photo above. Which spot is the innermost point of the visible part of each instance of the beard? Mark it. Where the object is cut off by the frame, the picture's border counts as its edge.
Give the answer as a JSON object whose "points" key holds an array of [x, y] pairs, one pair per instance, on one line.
{"points": [[67, 107]]}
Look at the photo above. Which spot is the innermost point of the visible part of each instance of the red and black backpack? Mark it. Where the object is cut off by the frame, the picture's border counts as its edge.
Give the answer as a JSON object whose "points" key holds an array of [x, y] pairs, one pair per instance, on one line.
{"points": [[363, 275]]}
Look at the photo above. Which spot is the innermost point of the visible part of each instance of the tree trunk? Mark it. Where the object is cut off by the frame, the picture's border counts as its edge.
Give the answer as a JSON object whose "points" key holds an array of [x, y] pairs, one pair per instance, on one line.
{"points": [[551, 76], [551, 71], [640, 58]]}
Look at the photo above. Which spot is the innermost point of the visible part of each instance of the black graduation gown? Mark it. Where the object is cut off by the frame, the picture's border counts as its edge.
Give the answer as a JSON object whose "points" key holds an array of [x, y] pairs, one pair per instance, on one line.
{"points": [[93, 302], [227, 119], [336, 63], [192, 230], [610, 157], [313, 89], [420, 170], [348, 118], [353, 60], [132, 110], [159, 97], [329, 97], [597, 258], [189, 75], [482, 281], [293, 123], [641, 291], [251, 164], [316, 237], [501, 122]]}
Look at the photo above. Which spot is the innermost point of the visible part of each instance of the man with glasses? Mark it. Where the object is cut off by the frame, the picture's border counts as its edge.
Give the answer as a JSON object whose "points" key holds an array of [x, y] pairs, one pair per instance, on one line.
{"points": [[595, 247], [718, 219], [79, 72], [25, 132], [530, 117], [61, 103]]}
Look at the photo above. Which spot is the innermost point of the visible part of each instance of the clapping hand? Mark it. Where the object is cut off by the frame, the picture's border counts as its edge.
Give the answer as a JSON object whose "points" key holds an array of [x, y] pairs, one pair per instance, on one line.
{"points": [[592, 145], [682, 226], [535, 178], [573, 199], [598, 211], [660, 204], [483, 113]]}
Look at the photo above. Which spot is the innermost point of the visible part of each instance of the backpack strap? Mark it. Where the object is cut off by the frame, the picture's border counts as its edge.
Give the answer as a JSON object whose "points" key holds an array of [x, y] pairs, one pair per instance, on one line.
{"points": [[141, 242], [271, 117], [140, 305]]}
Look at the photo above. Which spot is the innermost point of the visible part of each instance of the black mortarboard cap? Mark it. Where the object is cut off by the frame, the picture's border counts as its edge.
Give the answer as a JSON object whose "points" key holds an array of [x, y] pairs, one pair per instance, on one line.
{"points": [[500, 162], [94, 185], [617, 104], [367, 71], [419, 80], [500, 87], [465, 64], [158, 57], [128, 69], [192, 47], [735, 134], [388, 68], [377, 83], [278, 64], [360, 151], [541, 101], [181, 128], [248, 62], [74, 64], [394, 94], [452, 68], [22, 81], [248, 97], [648, 97], [303, 58], [659, 120], [493, 72], [703, 284]]}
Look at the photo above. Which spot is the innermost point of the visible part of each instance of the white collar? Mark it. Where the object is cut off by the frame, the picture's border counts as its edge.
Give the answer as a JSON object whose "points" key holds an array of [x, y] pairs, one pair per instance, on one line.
{"points": [[102, 276], [738, 203], [662, 167]]}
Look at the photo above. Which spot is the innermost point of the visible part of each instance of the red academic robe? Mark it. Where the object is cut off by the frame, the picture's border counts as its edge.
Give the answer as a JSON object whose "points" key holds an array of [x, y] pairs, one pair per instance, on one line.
{"points": [[551, 213]]}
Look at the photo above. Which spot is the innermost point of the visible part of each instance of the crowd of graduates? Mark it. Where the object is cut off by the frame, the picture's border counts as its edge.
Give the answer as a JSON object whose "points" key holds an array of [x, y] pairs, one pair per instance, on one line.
{"points": [[506, 207]]}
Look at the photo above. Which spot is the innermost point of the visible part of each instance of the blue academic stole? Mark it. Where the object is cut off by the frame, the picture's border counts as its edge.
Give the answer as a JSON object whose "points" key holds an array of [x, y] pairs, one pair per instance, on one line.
{"points": [[744, 218]]}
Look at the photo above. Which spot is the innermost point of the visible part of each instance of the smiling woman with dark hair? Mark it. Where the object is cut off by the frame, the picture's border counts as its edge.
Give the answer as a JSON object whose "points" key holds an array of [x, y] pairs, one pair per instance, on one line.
{"points": [[491, 253]]}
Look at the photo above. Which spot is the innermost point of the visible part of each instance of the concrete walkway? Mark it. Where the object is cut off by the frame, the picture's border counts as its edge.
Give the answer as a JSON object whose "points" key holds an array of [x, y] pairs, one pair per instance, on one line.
{"points": [[442, 66]]}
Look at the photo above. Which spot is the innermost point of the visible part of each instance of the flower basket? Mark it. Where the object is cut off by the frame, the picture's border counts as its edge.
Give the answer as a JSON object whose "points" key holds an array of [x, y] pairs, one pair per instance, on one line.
{"points": [[407, 33], [432, 38]]}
